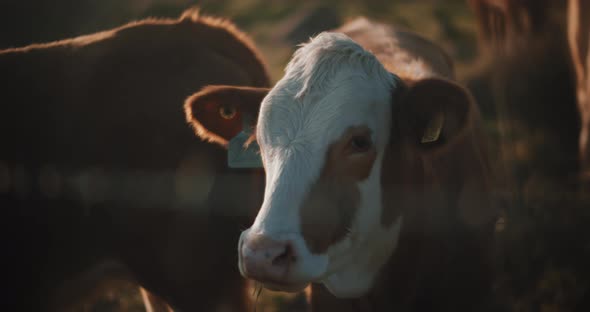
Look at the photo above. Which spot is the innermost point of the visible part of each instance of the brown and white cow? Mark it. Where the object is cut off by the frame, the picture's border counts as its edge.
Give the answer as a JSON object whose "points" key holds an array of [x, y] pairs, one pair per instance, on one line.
{"points": [[578, 24], [97, 164], [377, 178]]}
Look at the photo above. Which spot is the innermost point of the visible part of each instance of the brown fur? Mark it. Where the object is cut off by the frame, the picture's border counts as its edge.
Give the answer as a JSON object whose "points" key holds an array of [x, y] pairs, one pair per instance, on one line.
{"points": [[394, 46], [329, 208], [578, 26], [523, 96], [447, 227], [503, 24], [441, 215], [104, 113]]}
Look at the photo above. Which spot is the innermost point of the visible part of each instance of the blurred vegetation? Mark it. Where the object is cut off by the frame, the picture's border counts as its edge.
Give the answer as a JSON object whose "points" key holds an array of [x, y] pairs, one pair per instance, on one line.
{"points": [[544, 237]]}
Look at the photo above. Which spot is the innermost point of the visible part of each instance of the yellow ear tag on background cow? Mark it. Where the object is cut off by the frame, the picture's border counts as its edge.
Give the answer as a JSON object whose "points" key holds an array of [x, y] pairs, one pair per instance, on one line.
{"points": [[432, 132], [241, 156]]}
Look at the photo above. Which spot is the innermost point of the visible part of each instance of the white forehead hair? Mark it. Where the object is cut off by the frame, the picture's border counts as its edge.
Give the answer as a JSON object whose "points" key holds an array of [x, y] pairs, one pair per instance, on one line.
{"points": [[326, 78], [317, 61]]}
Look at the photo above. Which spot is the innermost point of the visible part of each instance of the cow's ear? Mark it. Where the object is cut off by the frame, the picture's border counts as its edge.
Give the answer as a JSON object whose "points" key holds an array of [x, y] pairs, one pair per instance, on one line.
{"points": [[433, 113], [218, 113]]}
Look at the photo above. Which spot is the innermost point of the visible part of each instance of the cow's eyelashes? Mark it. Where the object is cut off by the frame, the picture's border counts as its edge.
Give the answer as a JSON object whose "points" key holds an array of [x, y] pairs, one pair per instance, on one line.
{"points": [[360, 144], [227, 112]]}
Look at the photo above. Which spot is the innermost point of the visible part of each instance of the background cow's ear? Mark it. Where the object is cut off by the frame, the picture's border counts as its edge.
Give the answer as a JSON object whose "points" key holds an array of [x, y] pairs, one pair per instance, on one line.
{"points": [[433, 113], [217, 113]]}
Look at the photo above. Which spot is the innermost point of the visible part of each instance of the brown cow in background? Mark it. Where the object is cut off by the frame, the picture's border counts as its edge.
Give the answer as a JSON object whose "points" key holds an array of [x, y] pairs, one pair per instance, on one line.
{"points": [[502, 24], [528, 88], [536, 30], [526, 84], [96, 164]]}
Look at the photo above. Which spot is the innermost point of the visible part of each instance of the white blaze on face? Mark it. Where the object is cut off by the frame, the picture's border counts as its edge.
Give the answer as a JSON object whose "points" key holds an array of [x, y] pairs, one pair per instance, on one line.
{"points": [[333, 93]]}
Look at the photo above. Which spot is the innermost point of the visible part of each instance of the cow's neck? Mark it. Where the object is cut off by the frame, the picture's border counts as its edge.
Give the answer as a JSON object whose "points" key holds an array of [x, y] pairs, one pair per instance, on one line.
{"points": [[409, 280]]}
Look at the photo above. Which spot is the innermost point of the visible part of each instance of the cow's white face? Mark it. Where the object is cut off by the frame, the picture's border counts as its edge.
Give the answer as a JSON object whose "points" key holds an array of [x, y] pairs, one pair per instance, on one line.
{"points": [[322, 131]]}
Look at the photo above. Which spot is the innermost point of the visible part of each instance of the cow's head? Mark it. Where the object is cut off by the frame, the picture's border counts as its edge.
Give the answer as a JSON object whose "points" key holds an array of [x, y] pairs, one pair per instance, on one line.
{"points": [[324, 132]]}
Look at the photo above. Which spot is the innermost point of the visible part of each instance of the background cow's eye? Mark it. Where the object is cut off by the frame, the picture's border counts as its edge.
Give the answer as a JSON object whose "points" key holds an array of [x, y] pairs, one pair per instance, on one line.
{"points": [[227, 112], [360, 144]]}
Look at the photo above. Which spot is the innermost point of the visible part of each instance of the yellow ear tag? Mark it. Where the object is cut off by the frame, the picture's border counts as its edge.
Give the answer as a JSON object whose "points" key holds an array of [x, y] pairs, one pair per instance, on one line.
{"points": [[432, 132]]}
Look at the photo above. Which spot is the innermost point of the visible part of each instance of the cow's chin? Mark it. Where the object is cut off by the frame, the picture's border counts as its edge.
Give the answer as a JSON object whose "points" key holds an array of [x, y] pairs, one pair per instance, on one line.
{"points": [[359, 265], [351, 283], [291, 288]]}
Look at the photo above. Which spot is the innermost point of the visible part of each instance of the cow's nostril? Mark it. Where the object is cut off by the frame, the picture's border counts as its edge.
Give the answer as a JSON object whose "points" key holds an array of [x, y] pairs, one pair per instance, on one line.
{"points": [[264, 258], [286, 257]]}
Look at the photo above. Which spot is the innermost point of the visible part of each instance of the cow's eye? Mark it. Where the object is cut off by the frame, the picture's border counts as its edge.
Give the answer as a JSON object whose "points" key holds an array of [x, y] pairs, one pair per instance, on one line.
{"points": [[227, 112], [361, 144]]}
